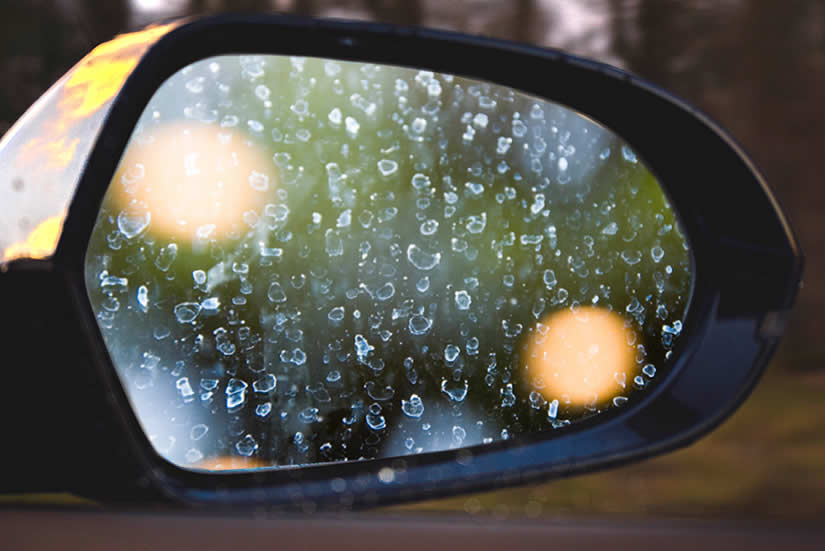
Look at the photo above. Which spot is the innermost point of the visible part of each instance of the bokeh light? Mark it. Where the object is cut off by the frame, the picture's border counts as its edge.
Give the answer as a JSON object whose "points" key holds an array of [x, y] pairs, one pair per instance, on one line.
{"points": [[192, 180], [580, 355]]}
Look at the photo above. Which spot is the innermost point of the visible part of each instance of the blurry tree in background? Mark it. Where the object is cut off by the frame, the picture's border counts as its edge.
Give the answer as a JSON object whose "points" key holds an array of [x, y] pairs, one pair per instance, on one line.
{"points": [[41, 39]]}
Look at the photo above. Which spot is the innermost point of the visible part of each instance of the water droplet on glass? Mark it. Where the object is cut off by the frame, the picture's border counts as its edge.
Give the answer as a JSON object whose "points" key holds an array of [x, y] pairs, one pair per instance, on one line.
{"points": [[451, 352], [611, 229], [246, 446], [456, 391], [421, 259], [265, 384], [553, 409], [631, 257], [463, 300], [429, 227], [387, 167], [276, 293], [419, 324], [166, 256], [186, 312], [336, 314], [414, 407], [334, 243], [258, 181], [352, 126], [335, 117], [198, 431], [420, 181], [376, 422], [132, 223], [385, 292], [143, 297], [628, 155], [262, 410], [476, 224]]}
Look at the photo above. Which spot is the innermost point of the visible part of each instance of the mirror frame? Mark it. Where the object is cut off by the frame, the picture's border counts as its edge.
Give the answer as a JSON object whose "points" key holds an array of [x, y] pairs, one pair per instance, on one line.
{"points": [[746, 265]]}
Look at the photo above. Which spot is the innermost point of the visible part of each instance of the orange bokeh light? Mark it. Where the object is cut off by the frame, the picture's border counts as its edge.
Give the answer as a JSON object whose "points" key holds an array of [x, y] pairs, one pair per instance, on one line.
{"points": [[582, 355], [230, 463], [193, 178]]}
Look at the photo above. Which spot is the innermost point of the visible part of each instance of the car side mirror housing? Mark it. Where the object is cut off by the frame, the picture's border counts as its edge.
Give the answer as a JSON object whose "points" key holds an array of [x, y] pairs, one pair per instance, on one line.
{"points": [[352, 264]]}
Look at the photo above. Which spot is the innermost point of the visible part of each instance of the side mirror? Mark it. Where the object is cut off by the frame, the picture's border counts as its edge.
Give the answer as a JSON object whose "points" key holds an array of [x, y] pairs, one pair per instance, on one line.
{"points": [[355, 264]]}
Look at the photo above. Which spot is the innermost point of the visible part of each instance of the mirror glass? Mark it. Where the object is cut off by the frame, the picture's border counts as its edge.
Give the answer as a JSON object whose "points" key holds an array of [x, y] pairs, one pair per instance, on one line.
{"points": [[306, 260]]}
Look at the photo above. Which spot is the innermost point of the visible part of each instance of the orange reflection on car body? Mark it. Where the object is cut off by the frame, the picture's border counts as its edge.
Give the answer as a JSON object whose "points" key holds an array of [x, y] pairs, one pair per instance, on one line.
{"points": [[230, 463], [40, 243], [193, 179], [47, 148], [98, 78], [580, 355]]}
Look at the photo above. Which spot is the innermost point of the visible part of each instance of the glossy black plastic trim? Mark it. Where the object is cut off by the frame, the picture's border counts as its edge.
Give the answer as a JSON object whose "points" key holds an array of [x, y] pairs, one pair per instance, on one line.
{"points": [[746, 262]]}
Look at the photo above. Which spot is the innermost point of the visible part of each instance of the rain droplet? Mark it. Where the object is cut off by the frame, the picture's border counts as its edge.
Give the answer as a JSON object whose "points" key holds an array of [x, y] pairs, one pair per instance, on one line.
{"points": [[131, 224], [276, 293], [334, 243], [451, 352], [476, 224], [421, 259], [186, 312], [463, 300], [336, 314], [553, 409], [211, 303], [387, 167], [628, 155], [143, 297], [335, 117], [456, 391], [385, 292], [631, 257], [352, 126], [376, 422], [246, 446], [198, 431], [419, 324], [429, 227], [166, 256], [420, 181], [413, 407], [265, 384]]}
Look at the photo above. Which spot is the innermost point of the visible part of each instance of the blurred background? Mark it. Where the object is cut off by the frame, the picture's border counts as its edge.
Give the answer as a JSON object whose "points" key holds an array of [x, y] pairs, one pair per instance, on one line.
{"points": [[756, 66]]}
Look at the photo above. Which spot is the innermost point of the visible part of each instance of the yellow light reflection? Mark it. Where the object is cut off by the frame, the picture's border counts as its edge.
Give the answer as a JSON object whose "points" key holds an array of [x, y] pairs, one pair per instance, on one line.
{"points": [[40, 243], [580, 355], [99, 77], [230, 463], [193, 179]]}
